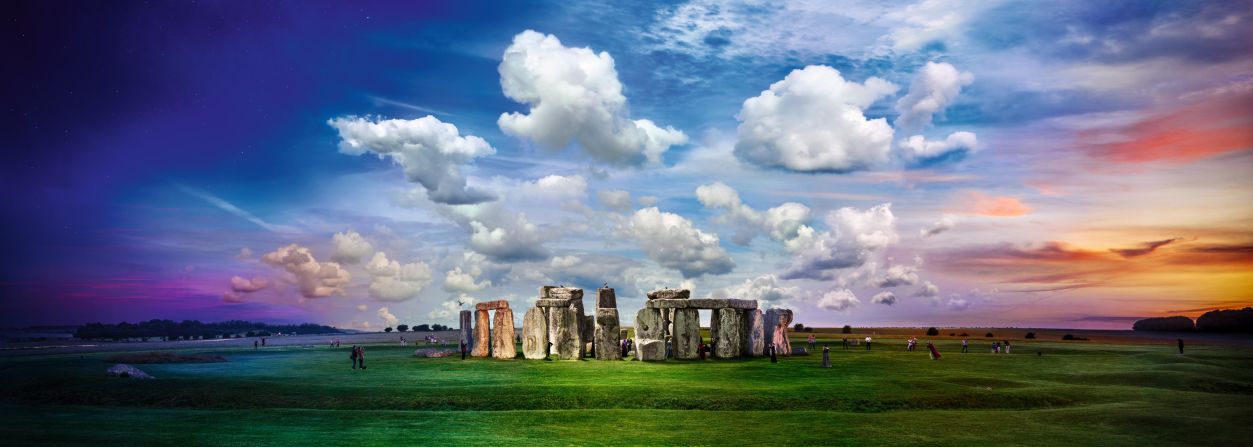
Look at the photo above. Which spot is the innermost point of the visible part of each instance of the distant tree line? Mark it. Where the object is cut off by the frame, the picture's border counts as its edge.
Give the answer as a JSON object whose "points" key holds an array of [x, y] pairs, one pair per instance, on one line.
{"points": [[1232, 320], [193, 330], [420, 328]]}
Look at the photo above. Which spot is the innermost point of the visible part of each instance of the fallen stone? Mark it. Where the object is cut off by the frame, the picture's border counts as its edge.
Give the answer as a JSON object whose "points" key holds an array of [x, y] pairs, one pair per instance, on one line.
{"points": [[686, 337], [606, 299], [482, 334], [433, 353], [492, 305], [502, 335], [534, 334], [128, 372], [650, 350], [670, 294], [550, 302], [567, 342], [608, 345], [726, 339], [755, 342]]}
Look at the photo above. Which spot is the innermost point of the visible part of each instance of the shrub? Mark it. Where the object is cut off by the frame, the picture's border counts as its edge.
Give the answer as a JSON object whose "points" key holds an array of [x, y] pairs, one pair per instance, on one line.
{"points": [[933, 332], [799, 327], [387, 329], [1072, 337], [1226, 320], [847, 329], [422, 328], [1030, 335], [950, 334], [988, 335], [965, 334], [402, 327]]}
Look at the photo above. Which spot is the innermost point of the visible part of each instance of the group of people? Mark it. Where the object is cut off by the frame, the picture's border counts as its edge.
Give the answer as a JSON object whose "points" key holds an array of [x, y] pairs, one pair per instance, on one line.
{"points": [[999, 347], [255, 343], [911, 344], [358, 357]]}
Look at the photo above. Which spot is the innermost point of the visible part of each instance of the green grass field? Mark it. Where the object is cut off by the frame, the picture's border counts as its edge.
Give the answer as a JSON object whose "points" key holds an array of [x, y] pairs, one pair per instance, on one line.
{"points": [[1082, 393]]}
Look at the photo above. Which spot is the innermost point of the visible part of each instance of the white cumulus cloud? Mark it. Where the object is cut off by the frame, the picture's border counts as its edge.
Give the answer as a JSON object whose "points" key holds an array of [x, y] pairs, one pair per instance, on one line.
{"points": [[765, 288], [853, 235], [944, 223], [575, 96], [917, 148], [456, 280], [393, 281], [928, 290], [933, 89], [431, 152], [350, 247], [673, 242], [314, 279], [813, 121], [781, 223], [885, 297], [838, 300], [389, 320], [898, 275]]}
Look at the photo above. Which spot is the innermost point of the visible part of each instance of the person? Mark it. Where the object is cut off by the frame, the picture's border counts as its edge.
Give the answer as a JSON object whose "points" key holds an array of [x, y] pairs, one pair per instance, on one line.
{"points": [[845, 342], [826, 356], [263, 341], [361, 356], [669, 348], [812, 341], [353, 356], [1180, 346], [254, 344], [996, 347], [1007, 346], [463, 349], [935, 353], [965, 346], [867, 342], [774, 357], [701, 349]]}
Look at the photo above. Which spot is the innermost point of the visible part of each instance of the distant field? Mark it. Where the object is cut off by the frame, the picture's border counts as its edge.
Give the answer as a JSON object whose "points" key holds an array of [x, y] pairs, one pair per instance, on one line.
{"points": [[1047, 392]]}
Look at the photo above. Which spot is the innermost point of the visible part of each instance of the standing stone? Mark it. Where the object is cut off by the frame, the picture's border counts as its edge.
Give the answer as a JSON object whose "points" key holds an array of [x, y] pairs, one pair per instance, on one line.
{"points": [[649, 345], [503, 335], [482, 333], [588, 334], [727, 338], [607, 341], [686, 334], [566, 343], [756, 340], [779, 338], [605, 299], [467, 330], [768, 324], [534, 334]]}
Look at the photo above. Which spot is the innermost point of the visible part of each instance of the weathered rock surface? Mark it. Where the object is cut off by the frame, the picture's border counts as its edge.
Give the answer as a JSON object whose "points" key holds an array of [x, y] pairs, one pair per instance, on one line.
{"points": [[607, 335], [467, 329], [534, 334], [482, 334], [551, 302], [670, 294], [566, 341], [708, 303], [606, 299], [561, 293], [588, 334], [742, 304], [726, 339], [127, 371], [666, 304], [686, 337], [755, 342], [650, 350], [492, 305], [648, 324], [502, 335]]}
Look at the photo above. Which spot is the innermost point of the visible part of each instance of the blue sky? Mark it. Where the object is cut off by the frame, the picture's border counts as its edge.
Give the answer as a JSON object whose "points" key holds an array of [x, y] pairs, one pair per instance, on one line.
{"points": [[894, 163]]}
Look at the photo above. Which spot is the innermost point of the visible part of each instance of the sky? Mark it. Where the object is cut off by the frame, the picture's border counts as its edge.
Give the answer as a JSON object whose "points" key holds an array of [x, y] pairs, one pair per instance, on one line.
{"points": [[874, 163]]}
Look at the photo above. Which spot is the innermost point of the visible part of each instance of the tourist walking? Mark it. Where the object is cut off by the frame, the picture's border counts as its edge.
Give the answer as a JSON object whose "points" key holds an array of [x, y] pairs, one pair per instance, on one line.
{"points": [[463, 349], [935, 353], [812, 342], [965, 346], [774, 357], [844, 341], [353, 356], [1180, 346], [701, 349], [1007, 346], [254, 344], [826, 356], [361, 356], [867, 342]]}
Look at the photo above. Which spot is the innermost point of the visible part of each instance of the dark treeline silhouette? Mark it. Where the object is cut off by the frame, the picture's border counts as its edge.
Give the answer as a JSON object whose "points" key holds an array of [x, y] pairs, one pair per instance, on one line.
{"points": [[192, 329], [1213, 321]]}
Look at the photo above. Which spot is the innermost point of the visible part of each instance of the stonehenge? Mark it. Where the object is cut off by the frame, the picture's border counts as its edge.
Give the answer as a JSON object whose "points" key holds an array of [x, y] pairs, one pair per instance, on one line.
{"points": [[667, 326]]}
